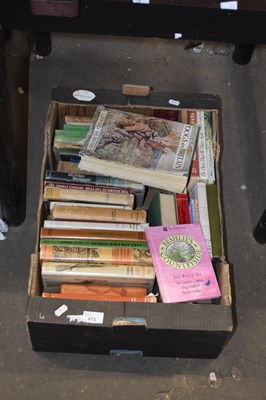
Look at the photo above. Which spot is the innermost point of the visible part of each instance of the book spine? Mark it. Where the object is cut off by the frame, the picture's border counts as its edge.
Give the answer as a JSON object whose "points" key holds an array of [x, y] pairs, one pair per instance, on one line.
{"points": [[67, 167], [143, 299], [99, 214], [197, 212], [192, 211], [209, 148], [92, 234], [192, 119], [92, 243], [67, 145], [94, 225], [202, 155], [51, 204], [182, 208], [55, 273], [214, 217], [55, 193], [86, 188], [101, 180], [125, 256], [103, 289], [204, 214], [76, 119]]}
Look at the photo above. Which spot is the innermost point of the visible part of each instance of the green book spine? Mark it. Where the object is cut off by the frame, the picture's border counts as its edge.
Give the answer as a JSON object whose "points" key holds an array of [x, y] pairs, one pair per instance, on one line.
{"points": [[214, 217], [93, 243]]}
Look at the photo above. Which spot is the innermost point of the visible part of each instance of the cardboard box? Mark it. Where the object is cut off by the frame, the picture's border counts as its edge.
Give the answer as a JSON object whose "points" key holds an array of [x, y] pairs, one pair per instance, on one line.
{"points": [[95, 327]]}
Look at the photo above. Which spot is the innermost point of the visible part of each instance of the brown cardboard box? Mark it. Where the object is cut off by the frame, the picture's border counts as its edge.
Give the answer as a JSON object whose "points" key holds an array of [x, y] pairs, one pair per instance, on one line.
{"points": [[167, 330]]}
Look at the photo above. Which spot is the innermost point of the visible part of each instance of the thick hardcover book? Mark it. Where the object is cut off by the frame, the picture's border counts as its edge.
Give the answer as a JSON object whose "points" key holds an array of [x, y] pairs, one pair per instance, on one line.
{"points": [[149, 150], [199, 195], [137, 189], [98, 214], [54, 274], [50, 205], [162, 210], [209, 146], [92, 234], [94, 225], [99, 297], [106, 290], [214, 217], [86, 187], [68, 167], [92, 243], [192, 119], [202, 151], [183, 267], [104, 255], [75, 194], [182, 208]]}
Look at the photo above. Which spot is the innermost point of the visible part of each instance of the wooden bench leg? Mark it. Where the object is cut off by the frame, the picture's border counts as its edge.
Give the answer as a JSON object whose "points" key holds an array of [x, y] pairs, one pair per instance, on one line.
{"points": [[11, 198]]}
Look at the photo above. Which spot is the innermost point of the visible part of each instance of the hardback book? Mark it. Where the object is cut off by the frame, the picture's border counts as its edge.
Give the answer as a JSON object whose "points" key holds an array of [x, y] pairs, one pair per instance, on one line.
{"points": [[214, 217], [50, 205], [101, 255], [47, 233], [69, 167], [107, 290], [101, 297], [171, 115], [162, 209], [86, 187], [183, 267], [93, 243], [77, 119], [182, 208], [82, 194], [192, 119], [198, 194], [203, 164], [54, 274], [153, 151], [136, 188], [98, 214], [94, 225], [209, 146]]}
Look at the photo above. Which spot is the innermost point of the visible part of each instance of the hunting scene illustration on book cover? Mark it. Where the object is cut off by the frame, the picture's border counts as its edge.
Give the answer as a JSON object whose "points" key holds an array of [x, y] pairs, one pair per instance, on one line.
{"points": [[141, 141]]}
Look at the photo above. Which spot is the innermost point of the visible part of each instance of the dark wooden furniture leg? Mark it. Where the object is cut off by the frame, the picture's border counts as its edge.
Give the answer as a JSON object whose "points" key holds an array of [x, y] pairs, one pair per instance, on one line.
{"points": [[11, 197]]}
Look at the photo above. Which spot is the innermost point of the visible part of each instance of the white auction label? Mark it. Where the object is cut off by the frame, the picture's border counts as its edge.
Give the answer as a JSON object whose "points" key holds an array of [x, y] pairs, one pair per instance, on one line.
{"points": [[174, 102], [61, 310], [94, 317], [229, 5], [84, 95], [88, 317]]}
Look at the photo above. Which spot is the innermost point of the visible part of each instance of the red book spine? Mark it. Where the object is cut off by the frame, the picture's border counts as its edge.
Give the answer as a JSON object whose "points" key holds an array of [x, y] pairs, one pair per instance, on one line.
{"points": [[182, 208]]}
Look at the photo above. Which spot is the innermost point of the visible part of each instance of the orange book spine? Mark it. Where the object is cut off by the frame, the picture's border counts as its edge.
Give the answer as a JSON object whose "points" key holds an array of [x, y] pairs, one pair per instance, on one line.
{"points": [[92, 234], [143, 299], [112, 255], [98, 214], [104, 290]]}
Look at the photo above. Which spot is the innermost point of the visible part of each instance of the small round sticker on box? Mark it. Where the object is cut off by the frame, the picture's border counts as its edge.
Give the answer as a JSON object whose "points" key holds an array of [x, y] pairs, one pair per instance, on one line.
{"points": [[83, 95]]}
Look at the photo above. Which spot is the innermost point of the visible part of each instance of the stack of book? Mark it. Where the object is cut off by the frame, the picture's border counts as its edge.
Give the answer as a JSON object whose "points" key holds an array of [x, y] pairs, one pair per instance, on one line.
{"points": [[68, 141], [97, 240]]}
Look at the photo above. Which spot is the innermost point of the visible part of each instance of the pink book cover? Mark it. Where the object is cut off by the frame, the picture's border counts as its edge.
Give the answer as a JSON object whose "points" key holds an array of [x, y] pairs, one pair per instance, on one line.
{"points": [[182, 263]]}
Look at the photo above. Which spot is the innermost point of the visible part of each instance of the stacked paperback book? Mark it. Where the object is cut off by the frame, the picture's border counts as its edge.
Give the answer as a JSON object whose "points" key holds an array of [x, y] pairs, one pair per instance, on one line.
{"points": [[131, 209]]}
